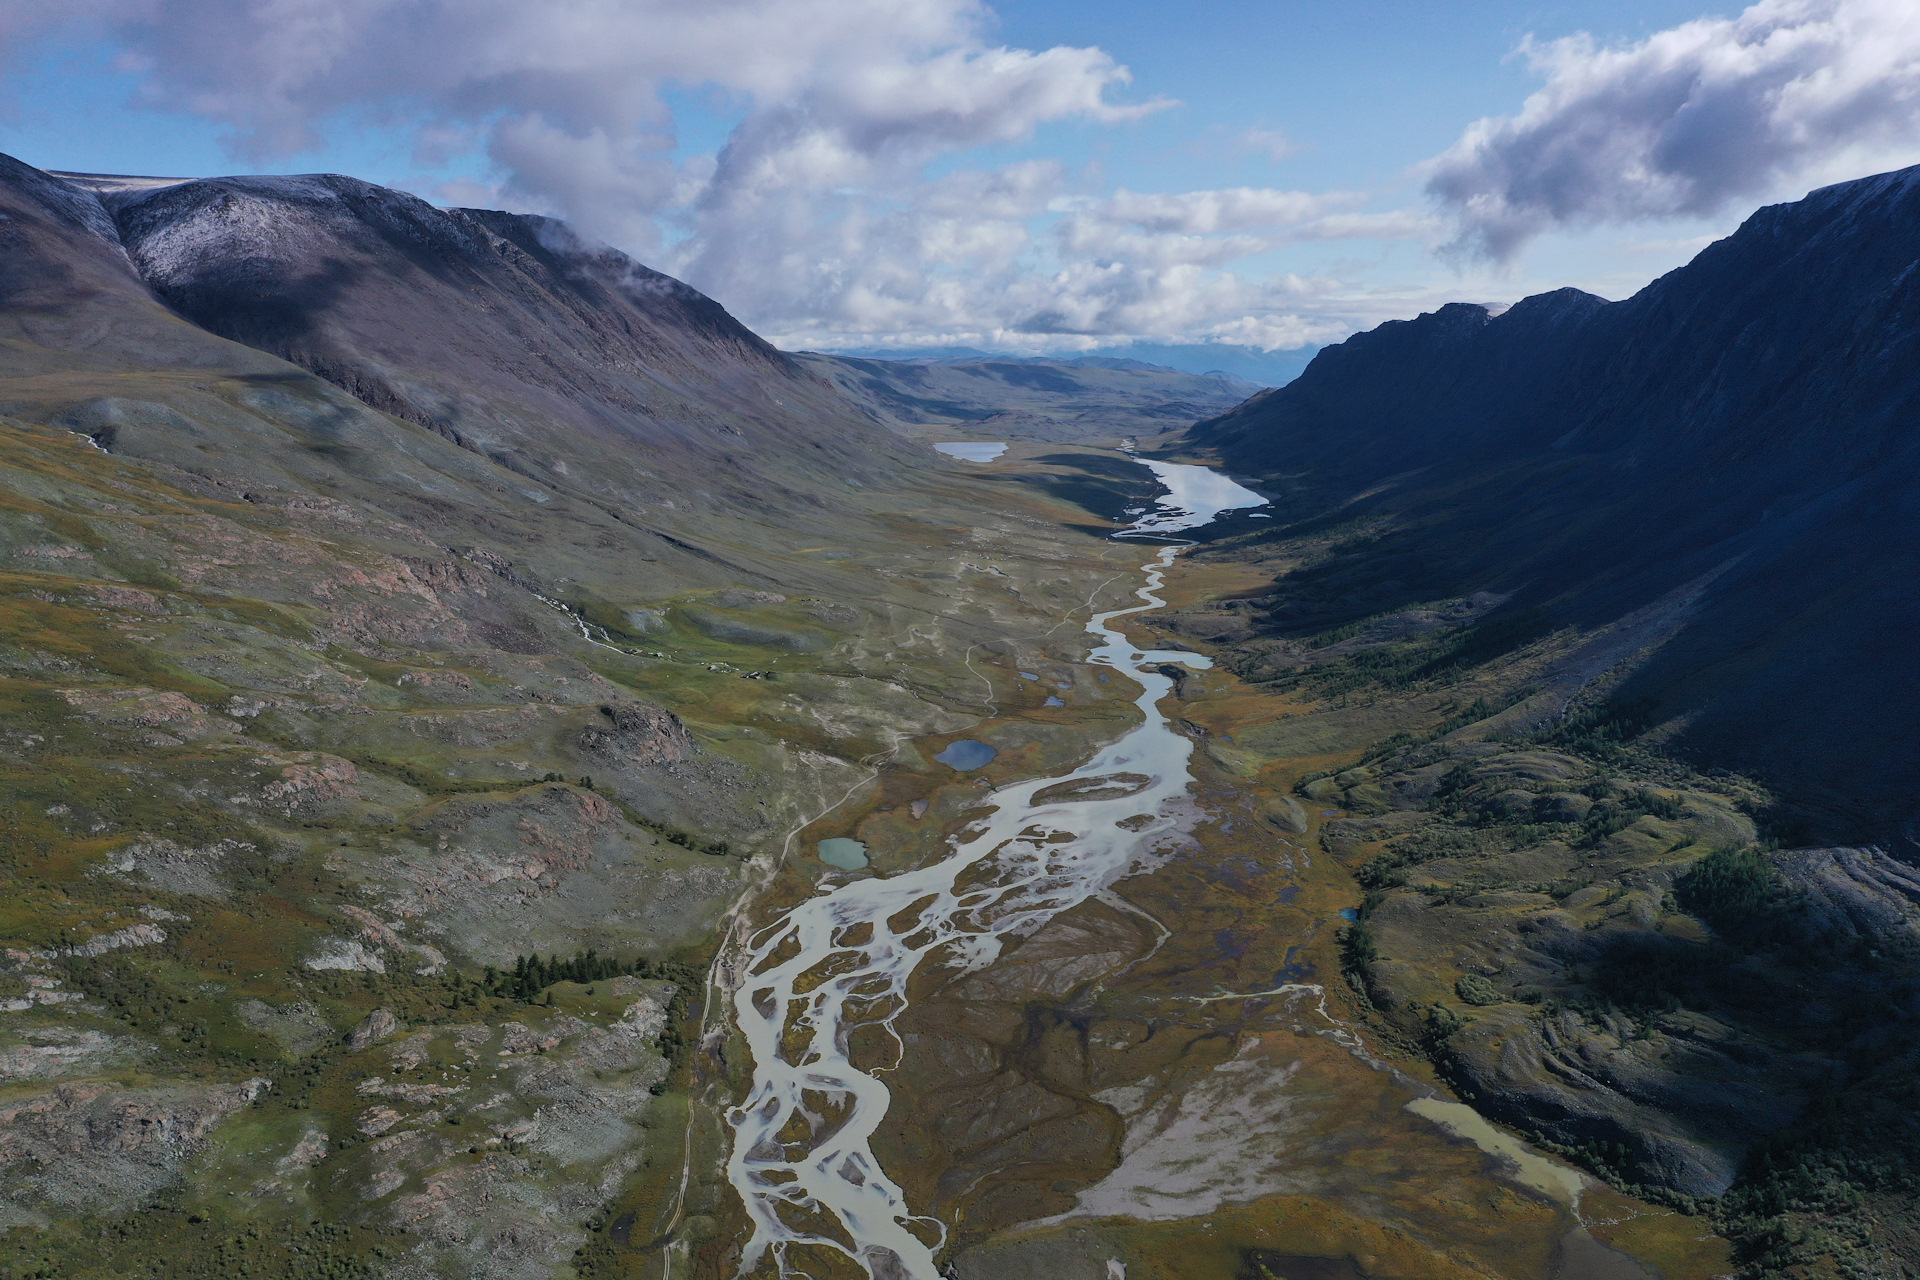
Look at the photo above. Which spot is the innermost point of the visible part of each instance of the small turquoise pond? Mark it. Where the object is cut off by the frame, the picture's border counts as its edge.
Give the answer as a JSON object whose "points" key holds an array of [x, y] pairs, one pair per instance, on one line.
{"points": [[1349, 913], [967, 754], [848, 855]]}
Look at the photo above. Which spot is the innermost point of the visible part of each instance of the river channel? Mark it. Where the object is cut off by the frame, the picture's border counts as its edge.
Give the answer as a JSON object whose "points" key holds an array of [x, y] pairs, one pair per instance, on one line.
{"points": [[801, 1159]]}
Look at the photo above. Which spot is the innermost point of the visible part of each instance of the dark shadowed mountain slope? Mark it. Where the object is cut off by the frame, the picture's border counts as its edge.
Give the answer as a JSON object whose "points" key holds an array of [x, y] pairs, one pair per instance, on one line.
{"points": [[1736, 443], [1083, 398]]}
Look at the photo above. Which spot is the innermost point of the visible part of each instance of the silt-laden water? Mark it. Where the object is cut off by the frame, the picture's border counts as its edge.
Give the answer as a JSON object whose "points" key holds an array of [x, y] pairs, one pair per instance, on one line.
{"points": [[802, 1160]]}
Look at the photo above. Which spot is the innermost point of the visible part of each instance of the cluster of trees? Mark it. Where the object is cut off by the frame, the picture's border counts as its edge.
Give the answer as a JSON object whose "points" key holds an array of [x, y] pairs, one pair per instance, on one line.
{"points": [[1738, 891], [1438, 659], [1389, 868], [531, 975], [1604, 730]]}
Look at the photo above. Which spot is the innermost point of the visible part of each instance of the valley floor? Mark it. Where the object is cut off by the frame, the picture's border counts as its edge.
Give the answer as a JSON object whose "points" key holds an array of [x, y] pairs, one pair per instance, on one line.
{"points": [[1173, 1079]]}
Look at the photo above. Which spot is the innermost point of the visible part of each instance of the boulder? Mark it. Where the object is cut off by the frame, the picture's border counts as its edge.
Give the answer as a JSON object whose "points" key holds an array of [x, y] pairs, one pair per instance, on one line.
{"points": [[377, 1026]]}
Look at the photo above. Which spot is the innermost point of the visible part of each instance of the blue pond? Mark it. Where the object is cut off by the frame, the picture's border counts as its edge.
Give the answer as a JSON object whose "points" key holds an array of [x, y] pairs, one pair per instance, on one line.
{"points": [[848, 855], [967, 754], [1349, 913]]}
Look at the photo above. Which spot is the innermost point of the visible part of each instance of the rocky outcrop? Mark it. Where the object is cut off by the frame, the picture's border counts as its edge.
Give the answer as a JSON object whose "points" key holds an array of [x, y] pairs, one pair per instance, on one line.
{"points": [[53, 1053], [1685, 1106], [175, 868], [1857, 893], [375, 1027], [550, 1132], [550, 868], [153, 717], [637, 733], [133, 935], [98, 1148], [297, 1026], [1527, 924]]}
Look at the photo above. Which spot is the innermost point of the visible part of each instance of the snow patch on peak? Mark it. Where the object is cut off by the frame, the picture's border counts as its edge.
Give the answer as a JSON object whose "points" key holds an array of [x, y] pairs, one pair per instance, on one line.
{"points": [[106, 184], [231, 227]]}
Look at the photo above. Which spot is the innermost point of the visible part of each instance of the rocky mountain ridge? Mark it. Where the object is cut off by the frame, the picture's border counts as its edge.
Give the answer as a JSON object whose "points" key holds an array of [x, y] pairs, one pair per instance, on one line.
{"points": [[504, 333]]}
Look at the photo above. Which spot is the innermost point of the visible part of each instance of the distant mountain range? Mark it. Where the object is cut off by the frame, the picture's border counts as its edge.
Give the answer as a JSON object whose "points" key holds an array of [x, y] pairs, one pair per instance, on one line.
{"points": [[1727, 464], [1208, 359], [1032, 399]]}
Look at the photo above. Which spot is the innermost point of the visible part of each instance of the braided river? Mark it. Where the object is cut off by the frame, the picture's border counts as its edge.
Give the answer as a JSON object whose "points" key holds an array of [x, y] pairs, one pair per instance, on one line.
{"points": [[801, 1158]]}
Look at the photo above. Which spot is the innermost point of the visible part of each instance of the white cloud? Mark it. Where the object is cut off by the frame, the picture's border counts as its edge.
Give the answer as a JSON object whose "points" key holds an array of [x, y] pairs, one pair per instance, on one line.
{"points": [[552, 169], [1392, 224], [819, 220], [1233, 209], [870, 77], [1690, 120], [1019, 191], [848, 206], [1215, 228]]}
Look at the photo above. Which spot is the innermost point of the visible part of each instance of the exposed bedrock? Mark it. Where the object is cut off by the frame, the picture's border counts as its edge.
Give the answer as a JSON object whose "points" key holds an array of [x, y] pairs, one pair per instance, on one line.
{"points": [[638, 733]]}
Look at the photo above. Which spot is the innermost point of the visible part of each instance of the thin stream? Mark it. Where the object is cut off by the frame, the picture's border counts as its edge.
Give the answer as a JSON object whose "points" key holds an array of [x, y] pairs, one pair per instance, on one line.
{"points": [[801, 1158]]}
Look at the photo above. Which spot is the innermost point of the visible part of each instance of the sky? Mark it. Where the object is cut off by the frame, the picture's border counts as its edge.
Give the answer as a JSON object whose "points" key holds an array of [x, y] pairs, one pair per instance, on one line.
{"points": [[1033, 176]]}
